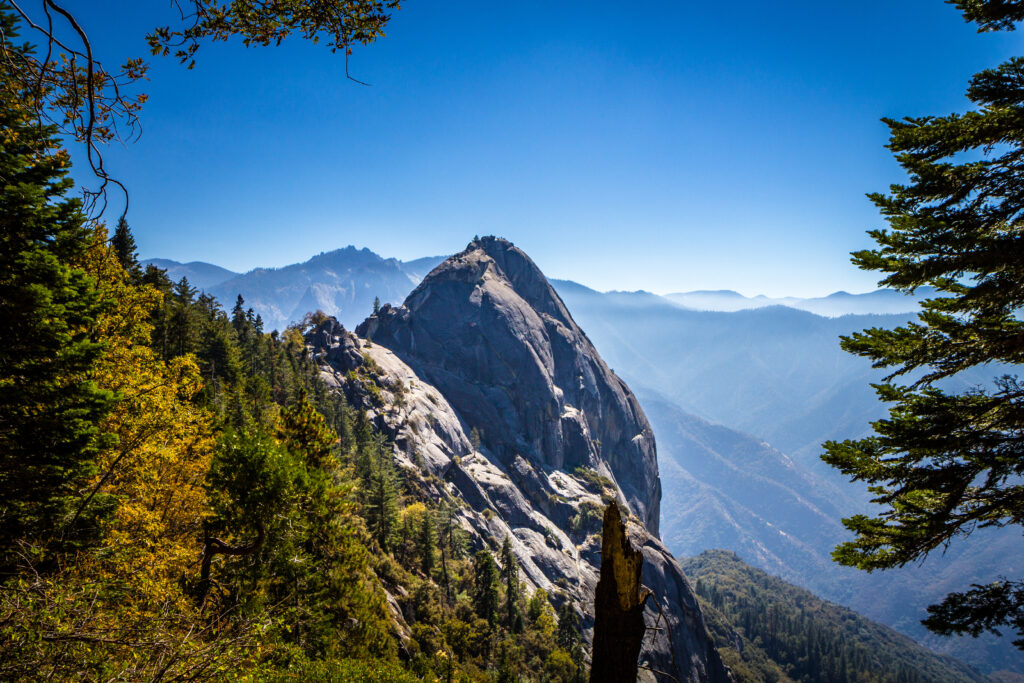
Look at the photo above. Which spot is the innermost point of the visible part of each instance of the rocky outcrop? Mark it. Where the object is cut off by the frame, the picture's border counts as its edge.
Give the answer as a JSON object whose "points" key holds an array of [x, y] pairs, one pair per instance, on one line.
{"points": [[492, 395], [491, 334]]}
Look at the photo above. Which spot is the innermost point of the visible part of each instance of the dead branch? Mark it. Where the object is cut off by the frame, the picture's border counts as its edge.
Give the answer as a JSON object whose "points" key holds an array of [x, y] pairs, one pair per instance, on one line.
{"points": [[214, 546]]}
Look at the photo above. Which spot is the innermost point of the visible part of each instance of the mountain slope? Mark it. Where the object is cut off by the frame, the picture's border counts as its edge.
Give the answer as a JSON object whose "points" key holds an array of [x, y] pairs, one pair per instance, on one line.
{"points": [[200, 274], [730, 490], [487, 348], [807, 638], [781, 373]]}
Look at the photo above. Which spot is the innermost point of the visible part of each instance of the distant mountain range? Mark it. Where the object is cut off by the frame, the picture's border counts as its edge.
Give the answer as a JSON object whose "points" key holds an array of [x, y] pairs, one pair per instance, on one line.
{"points": [[773, 373], [331, 281], [199, 274], [880, 301], [777, 377], [342, 283]]}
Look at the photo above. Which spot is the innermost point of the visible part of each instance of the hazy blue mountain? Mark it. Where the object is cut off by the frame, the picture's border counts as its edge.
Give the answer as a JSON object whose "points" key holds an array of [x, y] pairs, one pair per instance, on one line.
{"points": [[725, 300], [775, 372], [725, 489], [880, 301], [201, 275], [342, 283], [421, 267], [779, 374]]}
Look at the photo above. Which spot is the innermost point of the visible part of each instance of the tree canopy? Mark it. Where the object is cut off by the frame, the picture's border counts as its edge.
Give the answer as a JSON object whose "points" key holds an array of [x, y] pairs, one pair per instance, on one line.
{"points": [[991, 15], [945, 464], [50, 403]]}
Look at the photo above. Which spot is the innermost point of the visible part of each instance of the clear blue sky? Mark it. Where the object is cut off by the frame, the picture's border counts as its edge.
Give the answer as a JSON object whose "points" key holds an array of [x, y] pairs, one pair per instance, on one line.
{"points": [[666, 146]]}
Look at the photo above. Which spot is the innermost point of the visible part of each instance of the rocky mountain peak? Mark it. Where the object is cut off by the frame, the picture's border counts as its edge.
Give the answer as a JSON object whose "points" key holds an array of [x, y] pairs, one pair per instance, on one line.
{"points": [[488, 330], [550, 515]]}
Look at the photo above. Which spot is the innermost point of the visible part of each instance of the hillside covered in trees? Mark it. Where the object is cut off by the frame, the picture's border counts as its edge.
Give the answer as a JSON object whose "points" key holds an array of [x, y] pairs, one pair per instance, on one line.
{"points": [[769, 630], [183, 499]]}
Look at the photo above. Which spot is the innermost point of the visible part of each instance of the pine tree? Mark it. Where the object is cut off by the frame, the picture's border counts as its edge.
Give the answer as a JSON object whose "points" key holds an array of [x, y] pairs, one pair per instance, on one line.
{"points": [[50, 406], [943, 464], [485, 587], [447, 540], [238, 317], [427, 543], [183, 324], [303, 430], [123, 244], [510, 577], [380, 494], [570, 637], [568, 627], [505, 672]]}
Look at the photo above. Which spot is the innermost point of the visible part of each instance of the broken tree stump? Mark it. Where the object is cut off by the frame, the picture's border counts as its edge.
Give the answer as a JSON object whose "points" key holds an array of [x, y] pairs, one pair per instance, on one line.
{"points": [[618, 605]]}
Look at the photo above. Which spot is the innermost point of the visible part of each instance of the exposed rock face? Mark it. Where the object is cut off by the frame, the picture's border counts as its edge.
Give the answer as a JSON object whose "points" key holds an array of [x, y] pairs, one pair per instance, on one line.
{"points": [[490, 333], [485, 343]]}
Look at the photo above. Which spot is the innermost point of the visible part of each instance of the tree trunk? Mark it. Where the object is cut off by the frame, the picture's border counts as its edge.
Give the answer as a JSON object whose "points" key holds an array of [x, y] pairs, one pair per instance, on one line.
{"points": [[618, 605]]}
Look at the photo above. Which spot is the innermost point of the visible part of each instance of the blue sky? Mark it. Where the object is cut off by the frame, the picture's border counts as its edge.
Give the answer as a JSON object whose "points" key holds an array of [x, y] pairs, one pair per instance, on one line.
{"points": [[666, 146]]}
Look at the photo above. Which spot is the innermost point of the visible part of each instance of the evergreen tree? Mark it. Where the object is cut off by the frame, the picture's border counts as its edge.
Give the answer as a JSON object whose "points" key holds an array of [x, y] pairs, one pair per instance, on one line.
{"points": [[238, 317], [303, 430], [427, 544], [296, 542], [485, 587], [123, 244], [506, 669], [381, 493], [568, 627], [510, 577], [50, 406], [570, 637], [447, 532], [943, 464], [183, 323]]}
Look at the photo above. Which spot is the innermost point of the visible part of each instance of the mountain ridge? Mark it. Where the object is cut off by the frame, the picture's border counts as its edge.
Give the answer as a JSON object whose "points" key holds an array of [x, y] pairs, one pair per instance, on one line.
{"points": [[199, 273]]}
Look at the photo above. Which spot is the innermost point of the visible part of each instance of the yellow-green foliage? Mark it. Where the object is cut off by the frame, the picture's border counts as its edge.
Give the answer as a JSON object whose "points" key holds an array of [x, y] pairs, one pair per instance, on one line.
{"points": [[233, 505], [594, 481]]}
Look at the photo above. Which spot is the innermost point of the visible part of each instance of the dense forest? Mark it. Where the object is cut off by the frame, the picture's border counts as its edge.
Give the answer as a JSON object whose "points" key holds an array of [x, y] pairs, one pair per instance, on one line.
{"points": [[769, 630], [184, 499]]}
